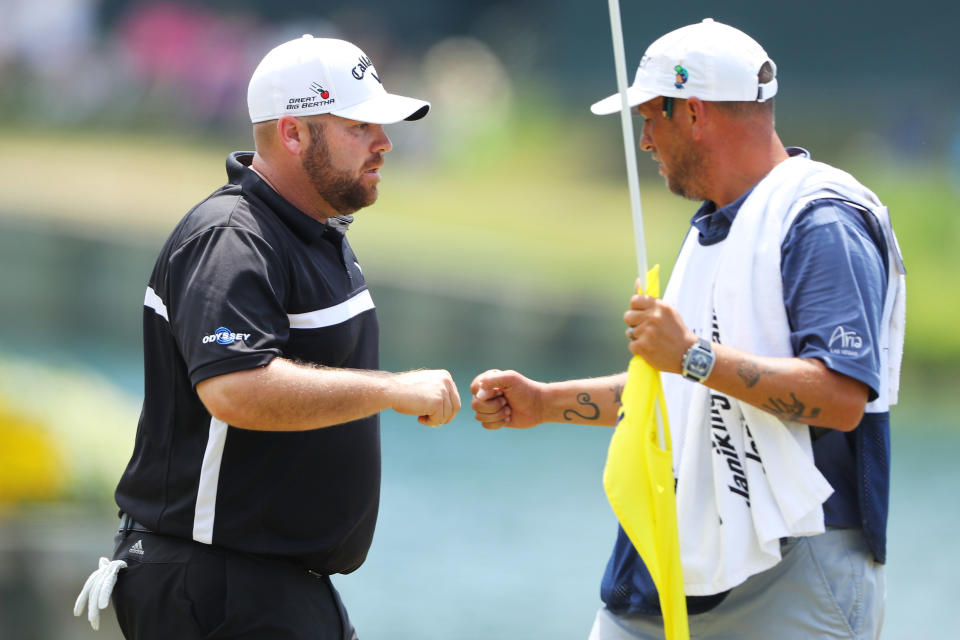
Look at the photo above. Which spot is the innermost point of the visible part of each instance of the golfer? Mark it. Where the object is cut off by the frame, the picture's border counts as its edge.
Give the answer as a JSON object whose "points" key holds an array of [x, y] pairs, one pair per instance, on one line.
{"points": [[256, 469], [779, 338]]}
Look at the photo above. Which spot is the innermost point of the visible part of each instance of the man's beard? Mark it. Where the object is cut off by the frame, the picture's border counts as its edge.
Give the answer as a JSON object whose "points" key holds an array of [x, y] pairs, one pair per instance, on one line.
{"points": [[685, 172], [339, 189]]}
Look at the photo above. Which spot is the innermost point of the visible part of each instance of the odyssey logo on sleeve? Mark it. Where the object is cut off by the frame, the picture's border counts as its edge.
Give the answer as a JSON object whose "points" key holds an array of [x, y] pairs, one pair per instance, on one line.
{"points": [[225, 336]]}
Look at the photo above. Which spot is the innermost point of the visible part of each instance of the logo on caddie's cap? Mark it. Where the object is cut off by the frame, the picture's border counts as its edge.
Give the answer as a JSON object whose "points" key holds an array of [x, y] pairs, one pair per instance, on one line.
{"points": [[706, 60]]}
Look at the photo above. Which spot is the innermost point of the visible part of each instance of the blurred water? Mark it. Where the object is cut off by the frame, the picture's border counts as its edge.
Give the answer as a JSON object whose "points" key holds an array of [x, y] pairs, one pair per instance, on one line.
{"points": [[482, 535], [496, 535], [485, 534], [505, 534]]}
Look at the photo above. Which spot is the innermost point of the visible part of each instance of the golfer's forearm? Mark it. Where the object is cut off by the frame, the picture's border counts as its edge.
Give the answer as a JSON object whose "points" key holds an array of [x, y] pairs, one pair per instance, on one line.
{"points": [[593, 401], [284, 396], [796, 389]]}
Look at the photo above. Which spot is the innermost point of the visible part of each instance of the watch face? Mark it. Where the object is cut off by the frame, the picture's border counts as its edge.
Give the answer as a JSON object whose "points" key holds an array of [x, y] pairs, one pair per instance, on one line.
{"points": [[699, 363]]}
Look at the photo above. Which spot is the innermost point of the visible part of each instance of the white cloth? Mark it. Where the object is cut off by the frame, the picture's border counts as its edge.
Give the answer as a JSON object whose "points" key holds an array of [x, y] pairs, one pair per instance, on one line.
{"points": [[746, 478], [96, 591]]}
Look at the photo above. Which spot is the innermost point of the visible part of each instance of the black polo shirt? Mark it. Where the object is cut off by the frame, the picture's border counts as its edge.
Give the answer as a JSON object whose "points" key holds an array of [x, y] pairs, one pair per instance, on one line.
{"points": [[246, 277]]}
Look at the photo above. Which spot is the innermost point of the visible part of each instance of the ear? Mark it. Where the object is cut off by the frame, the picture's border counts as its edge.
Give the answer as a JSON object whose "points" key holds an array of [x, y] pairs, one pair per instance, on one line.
{"points": [[293, 134], [698, 113]]}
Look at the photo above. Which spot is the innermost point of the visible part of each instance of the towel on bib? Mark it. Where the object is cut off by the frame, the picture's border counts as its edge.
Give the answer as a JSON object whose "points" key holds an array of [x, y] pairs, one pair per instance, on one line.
{"points": [[745, 478]]}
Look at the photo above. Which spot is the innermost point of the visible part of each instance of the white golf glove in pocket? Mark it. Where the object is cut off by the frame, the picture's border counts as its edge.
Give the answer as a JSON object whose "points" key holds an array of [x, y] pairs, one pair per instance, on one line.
{"points": [[95, 594]]}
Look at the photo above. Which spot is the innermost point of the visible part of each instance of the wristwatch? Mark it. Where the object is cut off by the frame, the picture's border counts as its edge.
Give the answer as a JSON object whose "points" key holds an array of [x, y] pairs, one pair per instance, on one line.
{"points": [[698, 361]]}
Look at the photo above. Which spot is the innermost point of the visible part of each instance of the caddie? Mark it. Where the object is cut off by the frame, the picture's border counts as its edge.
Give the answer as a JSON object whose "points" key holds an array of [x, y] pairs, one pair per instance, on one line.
{"points": [[779, 337], [255, 475]]}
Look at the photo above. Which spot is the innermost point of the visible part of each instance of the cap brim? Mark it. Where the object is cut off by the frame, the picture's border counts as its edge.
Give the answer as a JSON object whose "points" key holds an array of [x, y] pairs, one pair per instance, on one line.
{"points": [[613, 104], [385, 108]]}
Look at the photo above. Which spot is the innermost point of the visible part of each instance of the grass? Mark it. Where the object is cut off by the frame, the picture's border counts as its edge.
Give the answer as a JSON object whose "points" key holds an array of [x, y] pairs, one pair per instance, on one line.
{"points": [[923, 206], [532, 218]]}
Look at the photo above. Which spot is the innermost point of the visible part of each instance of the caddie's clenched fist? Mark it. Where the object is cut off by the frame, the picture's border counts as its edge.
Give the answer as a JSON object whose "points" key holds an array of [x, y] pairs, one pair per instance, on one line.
{"points": [[506, 399]]}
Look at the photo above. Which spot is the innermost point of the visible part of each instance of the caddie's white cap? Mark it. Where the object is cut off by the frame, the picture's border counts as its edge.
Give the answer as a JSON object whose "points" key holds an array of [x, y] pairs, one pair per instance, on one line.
{"points": [[307, 76], [707, 60]]}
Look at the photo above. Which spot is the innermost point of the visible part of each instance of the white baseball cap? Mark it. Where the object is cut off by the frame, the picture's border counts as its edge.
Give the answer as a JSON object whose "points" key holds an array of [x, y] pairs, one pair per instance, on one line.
{"points": [[308, 76], [707, 60]]}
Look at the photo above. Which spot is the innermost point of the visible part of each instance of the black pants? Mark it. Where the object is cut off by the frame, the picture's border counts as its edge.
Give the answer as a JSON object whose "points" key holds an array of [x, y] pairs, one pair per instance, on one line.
{"points": [[175, 589]]}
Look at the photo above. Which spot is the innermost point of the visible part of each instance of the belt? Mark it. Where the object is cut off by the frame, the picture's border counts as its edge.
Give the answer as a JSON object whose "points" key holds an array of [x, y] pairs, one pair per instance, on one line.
{"points": [[127, 523]]}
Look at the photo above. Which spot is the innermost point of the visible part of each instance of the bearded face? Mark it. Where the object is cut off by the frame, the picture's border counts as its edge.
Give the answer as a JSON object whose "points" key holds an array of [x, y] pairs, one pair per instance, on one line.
{"points": [[342, 188]]}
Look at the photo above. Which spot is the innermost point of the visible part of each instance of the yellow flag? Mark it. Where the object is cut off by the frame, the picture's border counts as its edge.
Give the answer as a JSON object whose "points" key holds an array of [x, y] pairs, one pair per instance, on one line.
{"points": [[638, 480]]}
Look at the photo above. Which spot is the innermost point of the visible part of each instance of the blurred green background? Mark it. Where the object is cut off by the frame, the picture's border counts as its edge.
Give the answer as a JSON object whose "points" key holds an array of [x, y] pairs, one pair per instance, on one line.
{"points": [[502, 238]]}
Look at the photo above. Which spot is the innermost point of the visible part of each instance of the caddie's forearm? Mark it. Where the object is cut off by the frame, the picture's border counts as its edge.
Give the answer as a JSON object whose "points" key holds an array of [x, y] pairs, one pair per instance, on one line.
{"points": [[796, 389], [591, 401], [286, 396]]}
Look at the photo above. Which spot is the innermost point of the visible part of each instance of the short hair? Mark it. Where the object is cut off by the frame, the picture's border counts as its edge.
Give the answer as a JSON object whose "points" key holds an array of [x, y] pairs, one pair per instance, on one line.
{"points": [[263, 134]]}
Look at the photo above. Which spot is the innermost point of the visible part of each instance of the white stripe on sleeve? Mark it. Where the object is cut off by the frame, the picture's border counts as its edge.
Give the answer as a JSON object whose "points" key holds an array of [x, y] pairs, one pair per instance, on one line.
{"points": [[153, 301]]}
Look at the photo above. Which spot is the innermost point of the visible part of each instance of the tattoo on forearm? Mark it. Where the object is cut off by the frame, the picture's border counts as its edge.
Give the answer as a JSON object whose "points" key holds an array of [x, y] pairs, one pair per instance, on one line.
{"points": [[750, 372], [617, 394], [792, 409], [584, 400]]}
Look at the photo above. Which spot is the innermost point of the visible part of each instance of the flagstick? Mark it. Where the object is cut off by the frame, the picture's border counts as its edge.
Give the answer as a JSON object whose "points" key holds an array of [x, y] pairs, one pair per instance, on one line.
{"points": [[626, 120], [633, 180]]}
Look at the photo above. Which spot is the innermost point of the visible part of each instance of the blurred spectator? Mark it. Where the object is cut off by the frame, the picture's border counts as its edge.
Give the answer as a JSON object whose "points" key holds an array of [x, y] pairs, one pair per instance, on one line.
{"points": [[197, 56]]}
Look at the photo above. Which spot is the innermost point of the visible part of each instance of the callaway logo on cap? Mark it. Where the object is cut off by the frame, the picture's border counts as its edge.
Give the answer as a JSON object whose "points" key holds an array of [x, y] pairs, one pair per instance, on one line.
{"points": [[707, 60], [308, 76]]}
